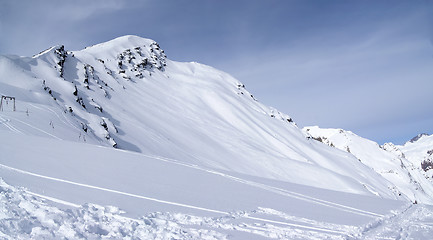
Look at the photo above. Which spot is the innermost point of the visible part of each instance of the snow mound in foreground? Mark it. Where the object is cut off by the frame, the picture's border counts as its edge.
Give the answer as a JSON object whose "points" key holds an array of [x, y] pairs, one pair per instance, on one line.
{"points": [[25, 215]]}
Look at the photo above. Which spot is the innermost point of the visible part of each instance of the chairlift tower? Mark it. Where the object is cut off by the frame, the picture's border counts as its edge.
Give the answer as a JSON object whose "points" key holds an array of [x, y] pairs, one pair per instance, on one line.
{"points": [[6, 99]]}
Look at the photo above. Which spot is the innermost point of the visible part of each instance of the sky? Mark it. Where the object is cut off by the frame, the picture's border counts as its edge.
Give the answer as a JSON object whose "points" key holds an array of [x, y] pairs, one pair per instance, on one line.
{"points": [[363, 66]]}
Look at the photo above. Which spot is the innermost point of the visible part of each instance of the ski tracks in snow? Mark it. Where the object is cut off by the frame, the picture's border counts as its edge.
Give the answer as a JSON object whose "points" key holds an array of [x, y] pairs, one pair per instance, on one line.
{"points": [[414, 221], [268, 223], [276, 189], [64, 120], [273, 189], [25, 215], [38, 129], [6, 123], [267, 228]]}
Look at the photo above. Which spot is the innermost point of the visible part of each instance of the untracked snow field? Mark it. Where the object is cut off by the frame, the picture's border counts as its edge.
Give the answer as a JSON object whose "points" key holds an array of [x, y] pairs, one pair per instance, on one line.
{"points": [[55, 189]]}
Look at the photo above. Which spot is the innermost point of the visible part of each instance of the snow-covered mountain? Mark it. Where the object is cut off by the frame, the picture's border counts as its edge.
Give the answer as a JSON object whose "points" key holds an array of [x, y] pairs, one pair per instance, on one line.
{"points": [[405, 167], [120, 124], [125, 93]]}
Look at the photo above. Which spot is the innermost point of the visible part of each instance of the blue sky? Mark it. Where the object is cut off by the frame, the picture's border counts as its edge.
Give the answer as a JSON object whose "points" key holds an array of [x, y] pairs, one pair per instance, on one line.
{"points": [[364, 66]]}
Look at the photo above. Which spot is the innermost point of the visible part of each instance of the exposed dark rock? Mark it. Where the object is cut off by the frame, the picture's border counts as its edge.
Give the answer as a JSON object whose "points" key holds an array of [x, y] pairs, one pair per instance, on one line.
{"points": [[417, 137]]}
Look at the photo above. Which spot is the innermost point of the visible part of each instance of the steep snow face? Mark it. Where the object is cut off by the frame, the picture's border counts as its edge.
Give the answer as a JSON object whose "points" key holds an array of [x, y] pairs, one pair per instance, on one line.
{"points": [[405, 177], [125, 93], [419, 151]]}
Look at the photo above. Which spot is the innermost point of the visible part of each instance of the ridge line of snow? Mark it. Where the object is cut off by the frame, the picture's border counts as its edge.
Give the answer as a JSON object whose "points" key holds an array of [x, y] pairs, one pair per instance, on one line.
{"points": [[44, 52], [168, 202]]}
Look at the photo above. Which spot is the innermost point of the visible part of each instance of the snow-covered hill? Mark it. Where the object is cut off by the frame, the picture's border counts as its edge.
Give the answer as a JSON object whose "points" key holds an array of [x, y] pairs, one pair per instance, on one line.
{"points": [[120, 124], [400, 165]]}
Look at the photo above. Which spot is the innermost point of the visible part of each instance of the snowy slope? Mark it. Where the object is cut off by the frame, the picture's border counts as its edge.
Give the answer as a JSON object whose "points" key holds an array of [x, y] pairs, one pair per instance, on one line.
{"points": [[399, 165], [163, 199], [182, 150], [126, 93]]}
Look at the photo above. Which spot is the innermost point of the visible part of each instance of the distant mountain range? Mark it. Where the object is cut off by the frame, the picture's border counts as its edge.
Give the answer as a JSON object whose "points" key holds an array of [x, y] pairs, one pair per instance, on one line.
{"points": [[407, 167]]}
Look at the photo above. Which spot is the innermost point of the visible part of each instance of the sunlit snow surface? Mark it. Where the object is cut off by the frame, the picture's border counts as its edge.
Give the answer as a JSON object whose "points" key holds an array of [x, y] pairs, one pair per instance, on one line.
{"points": [[198, 157], [163, 198]]}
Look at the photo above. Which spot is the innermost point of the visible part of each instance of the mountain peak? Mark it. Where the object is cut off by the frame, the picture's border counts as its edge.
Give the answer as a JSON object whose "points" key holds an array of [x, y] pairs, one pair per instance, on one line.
{"points": [[48, 50], [130, 50], [417, 137], [120, 44]]}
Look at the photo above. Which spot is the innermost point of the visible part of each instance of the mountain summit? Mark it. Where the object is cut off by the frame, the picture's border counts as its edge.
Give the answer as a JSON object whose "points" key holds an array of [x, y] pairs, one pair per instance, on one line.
{"points": [[417, 137]]}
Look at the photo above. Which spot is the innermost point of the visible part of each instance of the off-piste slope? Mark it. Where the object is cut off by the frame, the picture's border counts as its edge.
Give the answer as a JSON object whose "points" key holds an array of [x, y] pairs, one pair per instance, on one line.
{"points": [[126, 93], [407, 167]]}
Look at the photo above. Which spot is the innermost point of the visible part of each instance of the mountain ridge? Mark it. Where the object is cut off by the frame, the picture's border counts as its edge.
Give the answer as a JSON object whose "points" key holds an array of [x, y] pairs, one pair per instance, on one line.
{"points": [[406, 173]]}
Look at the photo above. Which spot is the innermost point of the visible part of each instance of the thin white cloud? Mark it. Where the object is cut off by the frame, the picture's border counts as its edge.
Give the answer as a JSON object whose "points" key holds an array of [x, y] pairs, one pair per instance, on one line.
{"points": [[82, 9]]}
